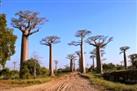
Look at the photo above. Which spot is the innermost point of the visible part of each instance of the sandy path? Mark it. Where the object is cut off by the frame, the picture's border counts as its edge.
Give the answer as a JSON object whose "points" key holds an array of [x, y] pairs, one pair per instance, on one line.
{"points": [[71, 82]]}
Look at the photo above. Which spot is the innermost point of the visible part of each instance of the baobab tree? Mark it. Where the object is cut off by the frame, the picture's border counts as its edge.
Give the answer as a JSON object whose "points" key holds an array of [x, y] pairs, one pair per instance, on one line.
{"points": [[49, 41], [92, 56], [123, 50], [72, 59], [133, 59], [81, 34], [27, 22], [98, 42], [78, 54]]}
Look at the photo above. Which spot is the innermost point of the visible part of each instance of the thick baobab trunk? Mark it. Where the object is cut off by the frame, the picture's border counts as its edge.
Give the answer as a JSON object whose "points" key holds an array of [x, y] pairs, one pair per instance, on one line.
{"points": [[79, 62], [82, 68], [93, 62], [74, 66], [71, 65], [99, 63], [125, 60], [51, 71], [24, 52]]}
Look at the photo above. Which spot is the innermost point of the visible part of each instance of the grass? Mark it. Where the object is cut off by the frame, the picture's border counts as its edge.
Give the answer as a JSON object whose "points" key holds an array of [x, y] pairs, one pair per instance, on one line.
{"points": [[23, 83], [31, 81], [95, 79], [28, 82]]}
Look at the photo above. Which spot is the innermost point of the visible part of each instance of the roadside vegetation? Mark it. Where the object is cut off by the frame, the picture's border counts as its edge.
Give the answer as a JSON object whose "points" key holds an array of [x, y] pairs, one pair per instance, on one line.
{"points": [[98, 80], [10, 78]]}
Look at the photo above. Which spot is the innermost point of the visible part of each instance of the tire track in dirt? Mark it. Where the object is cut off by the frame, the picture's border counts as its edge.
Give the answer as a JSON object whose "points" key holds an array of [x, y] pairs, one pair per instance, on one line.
{"points": [[71, 82]]}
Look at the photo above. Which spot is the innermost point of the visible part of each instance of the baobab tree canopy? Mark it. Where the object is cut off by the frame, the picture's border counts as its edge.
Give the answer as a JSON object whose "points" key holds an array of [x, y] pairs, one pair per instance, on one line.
{"points": [[82, 33], [71, 57], [50, 40], [124, 48], [99, 40], [26, 21]]}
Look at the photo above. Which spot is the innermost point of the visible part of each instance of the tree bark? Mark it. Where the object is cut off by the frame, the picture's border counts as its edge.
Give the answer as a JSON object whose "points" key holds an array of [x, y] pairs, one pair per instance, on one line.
{"points": [[82, 68], [125, 60], [79, 61], [74, 65], [51, 71], [71, 66], [93, 62], [99, 63], [24, 52]]}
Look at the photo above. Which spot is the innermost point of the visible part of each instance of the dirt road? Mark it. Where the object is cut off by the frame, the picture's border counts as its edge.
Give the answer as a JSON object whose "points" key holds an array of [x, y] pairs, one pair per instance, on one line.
{"points": [[71, 82]]}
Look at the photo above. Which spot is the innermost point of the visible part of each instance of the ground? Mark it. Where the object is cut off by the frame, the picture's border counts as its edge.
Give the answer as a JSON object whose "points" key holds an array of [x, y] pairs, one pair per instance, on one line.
{"points": [[71, 82]]}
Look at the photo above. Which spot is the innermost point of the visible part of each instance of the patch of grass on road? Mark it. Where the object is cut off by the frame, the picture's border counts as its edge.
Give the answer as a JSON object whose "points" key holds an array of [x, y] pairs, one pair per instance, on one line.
{"points": [[23, 83], [31, 81], [109, 85]]}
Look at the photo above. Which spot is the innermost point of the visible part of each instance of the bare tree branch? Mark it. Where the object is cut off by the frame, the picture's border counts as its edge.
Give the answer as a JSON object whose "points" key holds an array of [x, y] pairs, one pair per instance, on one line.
{"points": [[33, 32], [82, 33], [75, 43], [71, 57]]}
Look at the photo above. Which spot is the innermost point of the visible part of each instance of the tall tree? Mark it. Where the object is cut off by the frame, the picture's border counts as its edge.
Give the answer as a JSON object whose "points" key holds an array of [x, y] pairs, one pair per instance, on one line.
{"points": [[49, 41], [133, 58], [99, 42], [27, 22], [123, 50], [81, 34], [7, 41], [72, 58]]}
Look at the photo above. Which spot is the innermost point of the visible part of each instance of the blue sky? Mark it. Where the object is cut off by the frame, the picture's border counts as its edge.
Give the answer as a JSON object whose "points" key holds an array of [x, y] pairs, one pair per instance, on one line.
{"points": [[115, 18]]}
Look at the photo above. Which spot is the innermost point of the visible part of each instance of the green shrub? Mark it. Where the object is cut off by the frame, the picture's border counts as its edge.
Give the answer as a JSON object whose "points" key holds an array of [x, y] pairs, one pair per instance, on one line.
{"points": [[14, 74], [5, 73], [32, 69], [27, 82], [44, 71]]}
